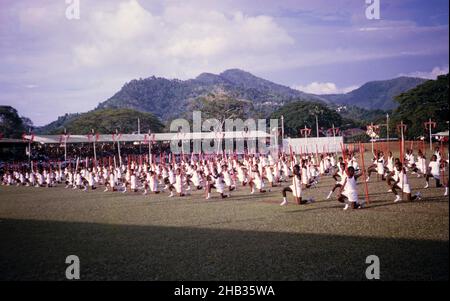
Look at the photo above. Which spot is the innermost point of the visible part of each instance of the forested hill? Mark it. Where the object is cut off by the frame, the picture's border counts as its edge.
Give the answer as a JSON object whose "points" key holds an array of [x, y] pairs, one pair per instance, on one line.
{"points": [[168, 99], [376, 95]]}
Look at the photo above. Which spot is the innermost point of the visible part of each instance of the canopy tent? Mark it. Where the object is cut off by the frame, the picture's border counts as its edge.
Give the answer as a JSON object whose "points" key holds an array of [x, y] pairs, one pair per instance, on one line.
{"points": [[146, 138]]}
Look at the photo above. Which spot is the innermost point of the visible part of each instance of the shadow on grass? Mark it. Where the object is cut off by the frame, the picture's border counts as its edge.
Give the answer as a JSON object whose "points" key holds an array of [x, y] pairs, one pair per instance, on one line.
{"points": [[36, 250]]}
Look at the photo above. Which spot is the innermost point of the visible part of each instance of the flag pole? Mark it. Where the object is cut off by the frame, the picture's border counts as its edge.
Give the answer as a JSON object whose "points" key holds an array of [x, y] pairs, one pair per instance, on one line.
{"points": [[366, 187]]}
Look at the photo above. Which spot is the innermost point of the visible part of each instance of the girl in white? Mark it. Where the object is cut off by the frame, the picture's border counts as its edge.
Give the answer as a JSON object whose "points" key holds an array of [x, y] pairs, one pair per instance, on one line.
{"points": [[105, 175], [390, 162], [393, 175], [306, 175], [377, 167], [111, 182], [314, 175], [269, 175], [78, 181], [324, 165], [276, 173], [410, 161], [433, 172], [171, 176], [32, 179], [217, 178], [256, 182], [49, 179], [241, 174], [437, 153], [22, 179], [339, 177], [421, 164], [349, 190], [354, 163], [40, 179], [177, 185], [227, 178], [152, 182], [286, 171], [127, 180], [196, 178], [332, 161], [133, 181], [91, 180], [295, 189], [401, 182]]}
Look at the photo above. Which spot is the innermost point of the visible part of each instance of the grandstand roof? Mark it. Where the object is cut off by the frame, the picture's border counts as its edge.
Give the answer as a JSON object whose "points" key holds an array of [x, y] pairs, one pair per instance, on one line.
{"points": [[110, 138]]}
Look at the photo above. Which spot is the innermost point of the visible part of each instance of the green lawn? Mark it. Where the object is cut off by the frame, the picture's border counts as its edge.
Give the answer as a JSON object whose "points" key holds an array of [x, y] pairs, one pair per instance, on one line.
{"points": [[248, 237]]}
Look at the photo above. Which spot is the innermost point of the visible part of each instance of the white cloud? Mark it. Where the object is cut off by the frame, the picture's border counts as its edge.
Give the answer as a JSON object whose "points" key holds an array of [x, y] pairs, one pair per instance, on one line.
{"points": [[433, 74], [180, 40], [323, 88]]}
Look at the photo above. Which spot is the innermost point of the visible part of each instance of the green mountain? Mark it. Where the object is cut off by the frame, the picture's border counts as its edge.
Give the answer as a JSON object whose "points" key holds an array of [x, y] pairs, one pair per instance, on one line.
{"points": [[376, 95], [104, 121], [169, 99]]}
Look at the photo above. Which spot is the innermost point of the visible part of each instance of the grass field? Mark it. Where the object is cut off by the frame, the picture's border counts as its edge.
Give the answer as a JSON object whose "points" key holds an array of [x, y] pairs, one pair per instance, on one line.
{"points": [[248, 237]]}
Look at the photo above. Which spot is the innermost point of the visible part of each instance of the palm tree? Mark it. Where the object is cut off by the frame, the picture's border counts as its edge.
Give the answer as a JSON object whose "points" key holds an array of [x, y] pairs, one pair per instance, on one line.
{"points": [[316, 111]]}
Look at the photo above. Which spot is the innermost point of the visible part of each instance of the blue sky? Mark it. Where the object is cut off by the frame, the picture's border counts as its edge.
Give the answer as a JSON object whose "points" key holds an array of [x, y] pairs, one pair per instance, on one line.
{"points": [[50, 65]]}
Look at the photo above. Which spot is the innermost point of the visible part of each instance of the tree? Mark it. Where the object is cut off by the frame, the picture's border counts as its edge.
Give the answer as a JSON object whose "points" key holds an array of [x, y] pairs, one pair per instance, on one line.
{"points": [[108, 120], [221, 107], [11, 124], [297, 115], [418, 105]]}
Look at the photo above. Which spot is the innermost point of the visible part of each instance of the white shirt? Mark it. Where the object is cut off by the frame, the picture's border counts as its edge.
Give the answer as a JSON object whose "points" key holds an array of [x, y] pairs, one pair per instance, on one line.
{"points": [[434, 165], [351, 190], [296, 187]]}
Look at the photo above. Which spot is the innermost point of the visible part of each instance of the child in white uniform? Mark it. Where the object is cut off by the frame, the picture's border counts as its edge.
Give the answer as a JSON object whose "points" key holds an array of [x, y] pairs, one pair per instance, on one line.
{"points": [[433, 172], [349, 190], [295, 189]]}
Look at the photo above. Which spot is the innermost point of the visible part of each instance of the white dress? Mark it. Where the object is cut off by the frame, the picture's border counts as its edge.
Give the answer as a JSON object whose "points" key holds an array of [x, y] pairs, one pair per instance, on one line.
{"points": [[305, 176], [296, 187], [380, 166], [227, 178], [218, 183], [434, 165], [133, 182], [390, 163], [178, 184], [153, 183], [351, 190], [195, 178], [259, 184], [403, 182], [269, 174]]}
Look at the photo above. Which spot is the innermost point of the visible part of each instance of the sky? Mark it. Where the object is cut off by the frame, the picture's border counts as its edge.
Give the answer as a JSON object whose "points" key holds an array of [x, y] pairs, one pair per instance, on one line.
{"points": [[52, 64]]}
